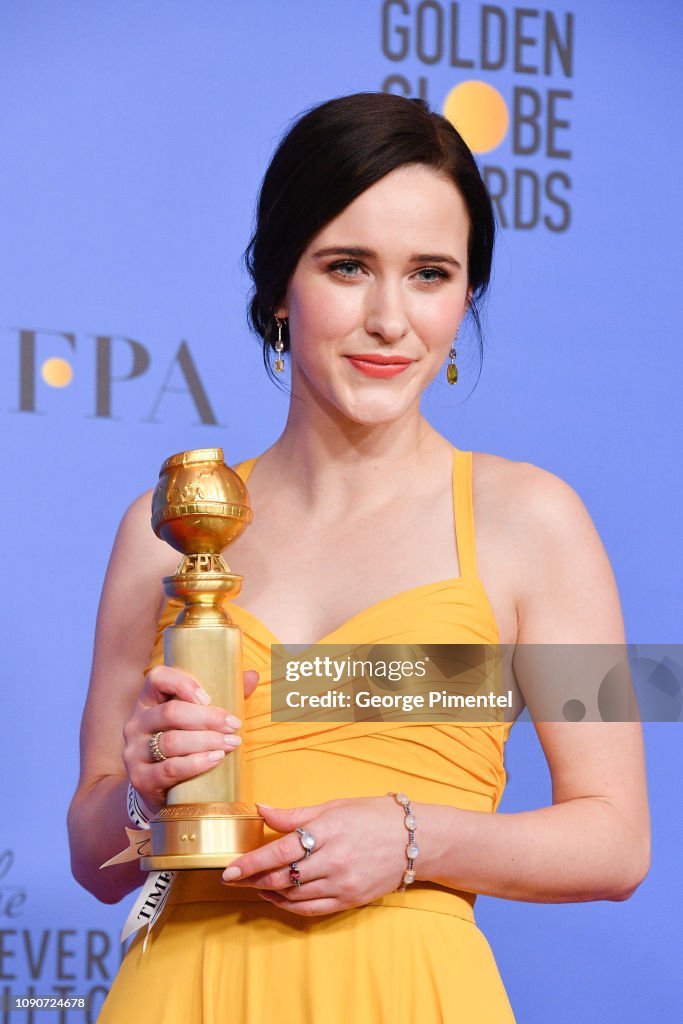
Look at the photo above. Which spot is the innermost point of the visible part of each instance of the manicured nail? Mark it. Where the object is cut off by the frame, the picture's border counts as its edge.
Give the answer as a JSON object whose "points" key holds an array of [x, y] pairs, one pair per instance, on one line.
{"points": [[266, 807], [232, 741], [202, 696], [230, 874], [215, 755], [233, 722]]}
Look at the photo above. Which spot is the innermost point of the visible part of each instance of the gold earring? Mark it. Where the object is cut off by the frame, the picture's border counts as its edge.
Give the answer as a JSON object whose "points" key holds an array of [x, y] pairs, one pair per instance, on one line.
{"points": [[452, 369], [279, 348]]}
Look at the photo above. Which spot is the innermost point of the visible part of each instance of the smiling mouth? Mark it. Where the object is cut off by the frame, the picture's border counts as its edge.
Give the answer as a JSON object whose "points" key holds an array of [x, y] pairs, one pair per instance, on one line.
{"points": [[374, 365]]}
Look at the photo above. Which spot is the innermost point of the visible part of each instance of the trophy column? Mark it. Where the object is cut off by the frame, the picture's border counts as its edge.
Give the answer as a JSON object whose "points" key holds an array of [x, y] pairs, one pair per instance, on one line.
{"points": [[200, 506]]}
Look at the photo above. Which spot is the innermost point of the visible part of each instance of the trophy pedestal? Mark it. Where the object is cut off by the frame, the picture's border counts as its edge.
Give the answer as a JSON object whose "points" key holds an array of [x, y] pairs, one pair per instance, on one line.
{"points": [[202, 836]]}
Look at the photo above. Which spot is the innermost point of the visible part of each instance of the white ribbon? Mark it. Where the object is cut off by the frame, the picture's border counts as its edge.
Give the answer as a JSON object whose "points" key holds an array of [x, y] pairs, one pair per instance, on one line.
{"points": [[149, 904], [138, 813], [154, 893]]}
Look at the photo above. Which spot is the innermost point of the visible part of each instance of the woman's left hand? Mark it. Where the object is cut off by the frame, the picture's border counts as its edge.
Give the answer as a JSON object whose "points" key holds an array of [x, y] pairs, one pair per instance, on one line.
{"points": [[359, 854]]}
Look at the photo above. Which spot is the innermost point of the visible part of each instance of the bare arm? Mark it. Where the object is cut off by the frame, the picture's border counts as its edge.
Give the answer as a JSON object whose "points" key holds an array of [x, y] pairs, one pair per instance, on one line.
{"points": [[131, 601], [594, 841], [120, 699]]}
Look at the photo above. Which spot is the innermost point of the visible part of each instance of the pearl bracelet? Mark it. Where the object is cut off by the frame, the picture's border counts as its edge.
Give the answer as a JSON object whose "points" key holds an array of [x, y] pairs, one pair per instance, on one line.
{"points": [[412, 850]]}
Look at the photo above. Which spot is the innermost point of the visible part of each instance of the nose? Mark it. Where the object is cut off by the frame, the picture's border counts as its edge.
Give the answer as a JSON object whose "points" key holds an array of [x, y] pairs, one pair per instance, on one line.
{"points": [[385, 314]]}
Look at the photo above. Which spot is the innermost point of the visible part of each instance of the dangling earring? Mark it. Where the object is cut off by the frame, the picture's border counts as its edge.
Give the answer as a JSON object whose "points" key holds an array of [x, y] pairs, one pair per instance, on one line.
{"points": [[279, 348], [452, 369]]}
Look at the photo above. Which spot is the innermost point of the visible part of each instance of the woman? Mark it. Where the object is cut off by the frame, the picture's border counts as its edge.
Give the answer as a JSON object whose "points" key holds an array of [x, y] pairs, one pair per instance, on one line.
{"points": [[373, 243]]}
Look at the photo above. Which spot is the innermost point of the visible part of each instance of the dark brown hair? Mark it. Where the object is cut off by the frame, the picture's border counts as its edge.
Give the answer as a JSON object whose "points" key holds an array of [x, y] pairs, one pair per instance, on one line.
{"points": [[332, 154]]}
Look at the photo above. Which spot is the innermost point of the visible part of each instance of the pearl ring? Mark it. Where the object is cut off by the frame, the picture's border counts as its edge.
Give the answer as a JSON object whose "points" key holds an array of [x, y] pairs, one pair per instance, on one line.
{"points": [[307, 841]]}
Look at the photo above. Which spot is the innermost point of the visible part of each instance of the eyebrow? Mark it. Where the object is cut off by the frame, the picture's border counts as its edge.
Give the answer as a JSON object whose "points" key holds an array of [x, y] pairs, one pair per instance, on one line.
{"points": [[361, 251]]}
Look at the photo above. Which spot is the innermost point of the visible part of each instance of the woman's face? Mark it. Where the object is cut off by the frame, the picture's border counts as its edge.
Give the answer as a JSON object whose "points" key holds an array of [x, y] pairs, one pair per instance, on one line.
{"points": [[376, 298]]}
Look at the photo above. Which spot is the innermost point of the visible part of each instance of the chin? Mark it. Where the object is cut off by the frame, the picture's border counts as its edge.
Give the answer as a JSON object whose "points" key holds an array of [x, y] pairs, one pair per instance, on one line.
{"points": [[375, 412], [364, 404]]}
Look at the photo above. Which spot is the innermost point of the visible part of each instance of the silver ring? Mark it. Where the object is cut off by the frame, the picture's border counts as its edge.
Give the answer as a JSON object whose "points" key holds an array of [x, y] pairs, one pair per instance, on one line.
{"points": [[154, 748], [307, 841]]}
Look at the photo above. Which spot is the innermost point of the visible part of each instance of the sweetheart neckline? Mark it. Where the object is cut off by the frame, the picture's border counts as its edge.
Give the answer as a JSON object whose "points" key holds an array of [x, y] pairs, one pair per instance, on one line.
{"points": [[464, 539], [459, 580]]}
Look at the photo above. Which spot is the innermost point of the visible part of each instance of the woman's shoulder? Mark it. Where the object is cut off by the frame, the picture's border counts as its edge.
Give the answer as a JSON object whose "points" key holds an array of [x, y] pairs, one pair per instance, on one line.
{"points": [[530, 510], [137, 544], [541, 531], [524, 488], [132, 595]]}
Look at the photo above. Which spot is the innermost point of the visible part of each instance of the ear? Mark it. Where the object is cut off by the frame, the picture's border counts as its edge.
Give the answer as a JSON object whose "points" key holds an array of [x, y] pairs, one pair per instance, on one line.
{"points": [[281, 311], [468, 300]]}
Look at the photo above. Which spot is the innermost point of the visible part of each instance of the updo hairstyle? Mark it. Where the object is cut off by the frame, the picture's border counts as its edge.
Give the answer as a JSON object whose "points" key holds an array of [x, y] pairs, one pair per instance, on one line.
{"points": [[332, 154]]}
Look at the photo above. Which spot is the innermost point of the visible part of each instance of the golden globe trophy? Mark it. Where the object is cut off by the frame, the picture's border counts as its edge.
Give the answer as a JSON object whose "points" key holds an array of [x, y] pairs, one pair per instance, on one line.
{"points": [[199, 506]]}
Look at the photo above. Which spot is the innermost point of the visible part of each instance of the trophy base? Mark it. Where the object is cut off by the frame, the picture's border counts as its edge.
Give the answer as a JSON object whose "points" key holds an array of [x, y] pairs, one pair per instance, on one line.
{"points": [[188, 836]]}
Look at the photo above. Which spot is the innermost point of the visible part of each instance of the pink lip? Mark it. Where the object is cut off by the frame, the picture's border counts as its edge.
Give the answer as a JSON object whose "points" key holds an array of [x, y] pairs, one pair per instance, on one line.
{"points": [[374, 365]]}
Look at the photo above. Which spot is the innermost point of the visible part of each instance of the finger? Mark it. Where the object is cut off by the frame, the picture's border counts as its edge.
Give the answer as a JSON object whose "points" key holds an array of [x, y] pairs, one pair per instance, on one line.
{"points": [[179, 714], [280, 878], [306, 908], [251, 679], [287, 819], [164, 682], [180, 743], [161, 775], [269, 857], [318, 889]]}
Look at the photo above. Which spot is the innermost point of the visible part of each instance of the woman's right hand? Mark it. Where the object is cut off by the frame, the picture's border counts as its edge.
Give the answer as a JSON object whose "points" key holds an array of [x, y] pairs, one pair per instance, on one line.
{"points": [[195, 734]]}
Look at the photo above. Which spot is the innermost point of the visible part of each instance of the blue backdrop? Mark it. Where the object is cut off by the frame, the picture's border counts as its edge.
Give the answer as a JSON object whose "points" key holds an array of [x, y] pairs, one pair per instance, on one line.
{"points": [[135, 135]]}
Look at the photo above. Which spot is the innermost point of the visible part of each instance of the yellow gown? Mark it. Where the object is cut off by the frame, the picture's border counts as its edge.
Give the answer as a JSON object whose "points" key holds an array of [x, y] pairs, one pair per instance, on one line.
{"points": [[221, 954]]}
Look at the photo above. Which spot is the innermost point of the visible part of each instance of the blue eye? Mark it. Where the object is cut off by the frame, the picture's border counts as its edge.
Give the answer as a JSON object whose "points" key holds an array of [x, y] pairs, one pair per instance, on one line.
{"points": [[346, 267], [430, 274]]}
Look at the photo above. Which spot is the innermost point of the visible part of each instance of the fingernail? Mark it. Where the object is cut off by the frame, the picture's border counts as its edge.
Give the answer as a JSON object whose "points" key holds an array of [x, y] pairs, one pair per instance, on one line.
{"points": [[215, 755], [266, 807], [202, 696], [230, 874], [232, 741], [233, 721]]}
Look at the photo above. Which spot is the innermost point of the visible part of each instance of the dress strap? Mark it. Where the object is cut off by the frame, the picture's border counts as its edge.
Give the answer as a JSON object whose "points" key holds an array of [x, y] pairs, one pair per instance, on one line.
{"points": [[463, 510], [243, 469]]}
